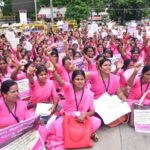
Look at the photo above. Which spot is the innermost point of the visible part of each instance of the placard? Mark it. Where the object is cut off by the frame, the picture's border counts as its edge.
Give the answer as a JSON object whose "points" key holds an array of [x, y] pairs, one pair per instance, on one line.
{"points": [[10, 134], [24, 89], [142, 121]]}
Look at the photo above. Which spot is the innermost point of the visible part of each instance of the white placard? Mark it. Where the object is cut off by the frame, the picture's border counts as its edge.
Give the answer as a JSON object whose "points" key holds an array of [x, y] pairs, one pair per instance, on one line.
{"points": [[142, 121], [43, 109], [24, 89], [110, 108], [23, 16]]}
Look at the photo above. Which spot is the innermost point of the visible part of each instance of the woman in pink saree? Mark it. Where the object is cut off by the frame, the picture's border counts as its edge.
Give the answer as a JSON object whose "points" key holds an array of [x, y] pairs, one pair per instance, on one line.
{"points": [[103, 81], [138, 85], [78, 100], [13, 110]]}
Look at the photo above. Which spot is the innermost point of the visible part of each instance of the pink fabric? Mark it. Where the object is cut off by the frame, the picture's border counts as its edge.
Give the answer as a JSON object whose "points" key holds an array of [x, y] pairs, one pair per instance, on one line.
{"points": [[114, 48], [64, 74], [123, 81], [22, 113], [42, 93], [97, 85], [21, 75], [86, 103], [55, 137], [136, 93], [92, 67], [7, 75]]}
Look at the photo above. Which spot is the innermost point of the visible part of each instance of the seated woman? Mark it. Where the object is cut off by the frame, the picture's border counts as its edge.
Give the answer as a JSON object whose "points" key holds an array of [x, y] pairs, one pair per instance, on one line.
{"points": [[12, 110], [138, 85], [104, 81], [78, 98], [4, 69], [42, 89]]}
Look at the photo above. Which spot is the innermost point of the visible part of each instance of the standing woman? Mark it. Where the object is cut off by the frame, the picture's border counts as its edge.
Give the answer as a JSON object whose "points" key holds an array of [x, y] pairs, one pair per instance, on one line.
{"points": [[104, 81], [42, 89], [78, 99], [138, 85]]}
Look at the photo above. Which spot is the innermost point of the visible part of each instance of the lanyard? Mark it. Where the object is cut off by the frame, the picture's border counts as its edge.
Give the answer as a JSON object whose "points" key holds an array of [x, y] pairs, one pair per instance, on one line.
{"points": [[77, 104], [106, 87], [69, 76], [145, 89], [14, 114]]}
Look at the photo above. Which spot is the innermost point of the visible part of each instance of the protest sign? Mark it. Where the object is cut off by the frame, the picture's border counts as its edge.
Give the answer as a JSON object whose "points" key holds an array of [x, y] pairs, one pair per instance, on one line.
{"points": [[142, 121], [24, 89], [9, 135], [66, 26], [132, 28], [28, 46], [80, 64], [29, 140], [10, 35]]}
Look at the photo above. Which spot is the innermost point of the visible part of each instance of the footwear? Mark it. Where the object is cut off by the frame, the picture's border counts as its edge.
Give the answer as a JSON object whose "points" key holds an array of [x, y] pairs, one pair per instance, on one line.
{"points": [[95, 137]]}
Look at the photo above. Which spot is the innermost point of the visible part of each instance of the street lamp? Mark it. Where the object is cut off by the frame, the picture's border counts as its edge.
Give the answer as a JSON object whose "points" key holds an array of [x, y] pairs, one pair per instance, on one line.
{"points": [[51, 11], [35, 5]]}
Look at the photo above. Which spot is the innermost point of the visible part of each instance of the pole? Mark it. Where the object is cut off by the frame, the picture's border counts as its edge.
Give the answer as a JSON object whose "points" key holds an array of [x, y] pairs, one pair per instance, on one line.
{"points": [[51, 11], [35, 5]]}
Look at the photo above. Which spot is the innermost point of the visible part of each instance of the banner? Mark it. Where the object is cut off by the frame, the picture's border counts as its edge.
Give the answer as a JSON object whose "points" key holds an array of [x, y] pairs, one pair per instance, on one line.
{"points": [[27, 141], [12, 136]]}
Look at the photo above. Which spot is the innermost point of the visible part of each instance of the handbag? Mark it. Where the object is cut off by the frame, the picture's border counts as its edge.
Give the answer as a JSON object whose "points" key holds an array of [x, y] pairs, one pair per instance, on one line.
{"points": [[112, 110], [122, 119], [139, 106], [77, 135]]}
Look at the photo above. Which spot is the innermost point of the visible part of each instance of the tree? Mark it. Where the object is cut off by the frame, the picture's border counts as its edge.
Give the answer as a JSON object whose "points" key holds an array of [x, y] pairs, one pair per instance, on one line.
{"points": [[56, 3], [7, 9], [98, 5], [128, 9], [78, 10]]}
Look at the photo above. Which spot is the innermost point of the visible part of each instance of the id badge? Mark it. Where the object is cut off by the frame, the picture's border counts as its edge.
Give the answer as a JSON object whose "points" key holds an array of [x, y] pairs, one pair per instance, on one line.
{"points": [[77, 113]]}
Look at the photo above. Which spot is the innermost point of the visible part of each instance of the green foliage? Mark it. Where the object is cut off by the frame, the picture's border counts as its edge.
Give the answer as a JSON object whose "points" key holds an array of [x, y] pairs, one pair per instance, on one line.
{"points": [[98, 5], [56, 3], [128, 9], [78, 10], [7, 10]]}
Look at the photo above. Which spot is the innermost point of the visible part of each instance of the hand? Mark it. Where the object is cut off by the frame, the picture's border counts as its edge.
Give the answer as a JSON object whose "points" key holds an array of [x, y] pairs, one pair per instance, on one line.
{"points": [[137, 67], [31, 70], [23, 62], [41, 122], [81, 118], [52, 109], [118, 64], [148, 44]]}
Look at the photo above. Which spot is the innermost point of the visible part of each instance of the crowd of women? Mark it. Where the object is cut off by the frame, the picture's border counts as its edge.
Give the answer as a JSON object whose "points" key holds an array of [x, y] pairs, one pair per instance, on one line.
{"points": [[89, 67]]}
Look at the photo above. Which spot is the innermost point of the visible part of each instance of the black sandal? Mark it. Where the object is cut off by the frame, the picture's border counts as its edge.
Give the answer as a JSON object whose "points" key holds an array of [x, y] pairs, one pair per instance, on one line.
{"points": [[94, 137]]}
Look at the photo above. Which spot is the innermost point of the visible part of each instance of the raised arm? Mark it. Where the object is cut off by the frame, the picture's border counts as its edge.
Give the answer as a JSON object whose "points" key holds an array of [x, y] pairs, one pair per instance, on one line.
{"points": [[17, 69], [58, 78], [30, 74], [132, 77]]}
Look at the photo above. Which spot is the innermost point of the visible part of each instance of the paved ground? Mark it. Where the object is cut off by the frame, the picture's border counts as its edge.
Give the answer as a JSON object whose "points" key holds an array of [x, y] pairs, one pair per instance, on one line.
{"points": [[121, 137]]}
